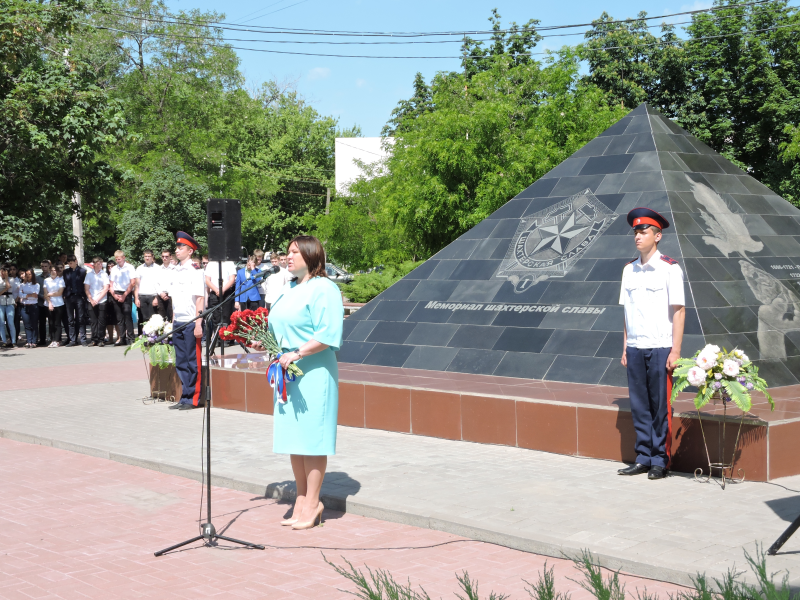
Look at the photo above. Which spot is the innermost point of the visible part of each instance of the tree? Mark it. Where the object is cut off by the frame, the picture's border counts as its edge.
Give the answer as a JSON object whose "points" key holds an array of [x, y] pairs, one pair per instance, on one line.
{"points": [[55, 122], [164, 205], [478, 148], [515, 43], [410, 109]]}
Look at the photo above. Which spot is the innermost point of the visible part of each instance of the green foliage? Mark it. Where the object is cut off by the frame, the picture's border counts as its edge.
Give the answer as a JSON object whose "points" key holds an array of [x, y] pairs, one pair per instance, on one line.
{"points": [[359, 232], [380, 585], [470, 588], [55, 121], [167, 203], [545, 586], [593, 582], [377, 585], [486, 139], [733, 83], [514, 43], [366, 286]]}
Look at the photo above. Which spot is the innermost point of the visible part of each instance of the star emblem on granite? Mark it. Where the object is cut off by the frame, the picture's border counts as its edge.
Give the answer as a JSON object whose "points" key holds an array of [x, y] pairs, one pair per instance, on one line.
{"points": [[559, 234]]}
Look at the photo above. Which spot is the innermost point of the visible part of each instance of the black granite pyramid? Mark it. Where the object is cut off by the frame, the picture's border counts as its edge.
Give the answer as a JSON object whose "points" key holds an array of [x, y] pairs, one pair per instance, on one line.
{"points": [[533, 290]]}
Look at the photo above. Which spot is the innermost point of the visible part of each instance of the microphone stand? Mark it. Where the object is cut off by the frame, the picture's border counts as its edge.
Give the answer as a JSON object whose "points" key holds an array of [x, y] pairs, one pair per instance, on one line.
{"points": [[773, 550], [208, 531]]}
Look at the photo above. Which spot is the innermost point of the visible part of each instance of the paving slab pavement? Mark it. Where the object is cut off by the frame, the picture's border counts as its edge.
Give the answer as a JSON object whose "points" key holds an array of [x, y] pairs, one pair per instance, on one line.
{"points": [[75, 526], [533, 501]]}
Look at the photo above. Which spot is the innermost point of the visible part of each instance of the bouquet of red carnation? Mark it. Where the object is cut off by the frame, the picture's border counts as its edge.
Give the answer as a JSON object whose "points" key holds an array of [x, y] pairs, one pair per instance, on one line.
{"points": [[250, 326]]}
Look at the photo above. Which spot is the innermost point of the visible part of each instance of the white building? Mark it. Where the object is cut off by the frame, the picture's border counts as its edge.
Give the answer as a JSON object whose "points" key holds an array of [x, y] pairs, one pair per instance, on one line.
{"points": [[368, 150]]}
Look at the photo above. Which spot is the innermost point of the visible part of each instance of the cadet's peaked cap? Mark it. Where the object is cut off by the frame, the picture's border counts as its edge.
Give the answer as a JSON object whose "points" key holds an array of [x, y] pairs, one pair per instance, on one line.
{"points": [[644, 216], [184, 238]]}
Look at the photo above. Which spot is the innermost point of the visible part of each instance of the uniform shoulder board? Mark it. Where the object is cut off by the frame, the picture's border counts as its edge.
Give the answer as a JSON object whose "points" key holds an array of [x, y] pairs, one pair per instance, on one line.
{"points": [[630, 262], [668, 260]]}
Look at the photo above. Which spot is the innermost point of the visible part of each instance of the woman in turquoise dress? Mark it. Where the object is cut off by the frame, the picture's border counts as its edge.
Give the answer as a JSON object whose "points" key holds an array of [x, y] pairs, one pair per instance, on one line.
{"points": [[306, 320]]}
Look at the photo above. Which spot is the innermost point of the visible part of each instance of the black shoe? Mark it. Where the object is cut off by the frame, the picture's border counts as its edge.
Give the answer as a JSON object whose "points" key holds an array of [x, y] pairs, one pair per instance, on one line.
{"points": [[71, 345], [84, 343], [119, 343], [657, 473], [100, 344], [187, 407], [175, 406], [635, 469]]}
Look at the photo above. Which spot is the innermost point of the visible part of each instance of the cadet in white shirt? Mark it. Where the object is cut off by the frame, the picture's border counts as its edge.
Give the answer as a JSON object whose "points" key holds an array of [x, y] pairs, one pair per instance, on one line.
{"points": [[653, 297], [123, 281], [223, 315], [148, 284], [275, 282], [187, 292], [96, 286], [164, 277]]}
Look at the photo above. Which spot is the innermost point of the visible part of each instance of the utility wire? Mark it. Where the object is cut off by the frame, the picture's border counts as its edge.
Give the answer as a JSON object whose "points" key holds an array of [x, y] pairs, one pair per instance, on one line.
{"points": [[265, 41], [482, 56], [348, 33]]}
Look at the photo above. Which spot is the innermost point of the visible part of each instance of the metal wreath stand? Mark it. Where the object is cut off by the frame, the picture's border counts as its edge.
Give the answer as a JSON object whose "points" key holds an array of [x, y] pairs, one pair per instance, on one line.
{"points": [[722, 466]]}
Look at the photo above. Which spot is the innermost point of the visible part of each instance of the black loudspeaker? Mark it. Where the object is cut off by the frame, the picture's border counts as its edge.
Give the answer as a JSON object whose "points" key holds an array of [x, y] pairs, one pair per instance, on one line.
{"points": [[224, 229]]}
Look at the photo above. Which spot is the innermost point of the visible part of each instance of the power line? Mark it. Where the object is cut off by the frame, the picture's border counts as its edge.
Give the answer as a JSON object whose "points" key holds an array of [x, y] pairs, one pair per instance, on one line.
{"points": [[349, 33], [359, 149], [305, 42], [481, 56]]}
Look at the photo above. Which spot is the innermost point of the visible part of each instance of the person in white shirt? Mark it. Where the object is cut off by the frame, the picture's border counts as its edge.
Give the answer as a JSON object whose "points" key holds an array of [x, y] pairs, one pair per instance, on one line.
{"points": [[96, 286], [164, 277], [653, 297], [15, 280], [29, 298], [8, 302], [123, 282], [54, 301], [276, 281], [148, 284], [186, 288], [223, 315]]}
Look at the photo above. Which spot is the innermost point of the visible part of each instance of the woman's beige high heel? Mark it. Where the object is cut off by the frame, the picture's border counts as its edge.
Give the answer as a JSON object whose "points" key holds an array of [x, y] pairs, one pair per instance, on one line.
{"points": [[288, 522], [313, 522]]}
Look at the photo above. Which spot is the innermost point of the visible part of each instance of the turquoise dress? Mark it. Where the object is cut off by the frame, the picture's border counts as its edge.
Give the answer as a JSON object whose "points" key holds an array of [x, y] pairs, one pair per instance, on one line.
{"points": [[306, 424]]}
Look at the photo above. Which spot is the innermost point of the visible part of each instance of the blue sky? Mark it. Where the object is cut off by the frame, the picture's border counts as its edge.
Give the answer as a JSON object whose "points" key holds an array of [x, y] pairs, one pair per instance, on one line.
{"points": [[364, 91]]}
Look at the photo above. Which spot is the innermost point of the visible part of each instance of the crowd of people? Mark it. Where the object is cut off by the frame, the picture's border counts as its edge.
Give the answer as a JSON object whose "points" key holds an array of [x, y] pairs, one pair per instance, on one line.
{"points": [[55, 308]]}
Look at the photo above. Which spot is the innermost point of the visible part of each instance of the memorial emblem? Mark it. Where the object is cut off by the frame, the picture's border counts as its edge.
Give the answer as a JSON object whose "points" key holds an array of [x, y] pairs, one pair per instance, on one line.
{"points": [[547, 243]]}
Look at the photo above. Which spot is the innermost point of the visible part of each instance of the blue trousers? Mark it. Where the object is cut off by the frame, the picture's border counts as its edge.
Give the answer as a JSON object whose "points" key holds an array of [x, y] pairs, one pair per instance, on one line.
{"points": [[188, 363], [30, 317], [649, 388]]}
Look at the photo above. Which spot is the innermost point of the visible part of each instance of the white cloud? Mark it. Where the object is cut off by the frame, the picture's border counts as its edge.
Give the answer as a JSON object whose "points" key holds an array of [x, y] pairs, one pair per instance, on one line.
{"points": [[319, 73]]}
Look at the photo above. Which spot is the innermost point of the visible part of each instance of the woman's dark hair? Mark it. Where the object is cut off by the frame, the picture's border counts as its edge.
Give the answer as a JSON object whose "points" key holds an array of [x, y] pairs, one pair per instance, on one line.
{"points": [[33, 275], [313, 254]]}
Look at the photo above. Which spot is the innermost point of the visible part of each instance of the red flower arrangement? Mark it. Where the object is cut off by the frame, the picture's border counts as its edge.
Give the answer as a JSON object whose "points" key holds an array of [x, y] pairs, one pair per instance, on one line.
{"points": [[250, 326]]}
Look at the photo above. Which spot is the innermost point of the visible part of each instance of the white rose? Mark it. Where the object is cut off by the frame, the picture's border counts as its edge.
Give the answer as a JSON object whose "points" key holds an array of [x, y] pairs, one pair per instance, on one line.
{"points": [[711, 349], [744, 358], [706, 361], [696, 376], [148, 328], [168, 328], [730, 368], [156, 321]]}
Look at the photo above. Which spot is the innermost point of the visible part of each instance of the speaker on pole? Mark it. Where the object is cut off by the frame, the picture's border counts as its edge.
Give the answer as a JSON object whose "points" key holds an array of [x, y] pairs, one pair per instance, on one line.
{"points": [[224, 229]]}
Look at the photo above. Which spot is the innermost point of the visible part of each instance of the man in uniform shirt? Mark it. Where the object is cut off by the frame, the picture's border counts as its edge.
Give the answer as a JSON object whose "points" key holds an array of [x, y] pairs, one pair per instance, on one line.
{"points": [[95, 286], [75, 301], [148, 283], [223, 315], [274, 283], [123, 281], [43, 312], [164, 277], [653, 297], [187, 292]]}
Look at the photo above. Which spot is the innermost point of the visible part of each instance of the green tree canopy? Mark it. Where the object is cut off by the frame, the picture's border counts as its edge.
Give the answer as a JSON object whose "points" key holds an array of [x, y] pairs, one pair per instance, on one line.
{"points": [[55, 123]]}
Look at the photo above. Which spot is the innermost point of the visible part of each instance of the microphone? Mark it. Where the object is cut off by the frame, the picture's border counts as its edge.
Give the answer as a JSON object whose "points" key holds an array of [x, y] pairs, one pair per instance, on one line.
{"points": [[266, 272]]}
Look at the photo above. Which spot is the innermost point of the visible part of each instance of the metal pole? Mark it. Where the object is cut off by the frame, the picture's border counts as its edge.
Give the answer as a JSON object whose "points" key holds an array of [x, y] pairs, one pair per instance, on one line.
{"points": [[221, 341], [327, 201]]}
